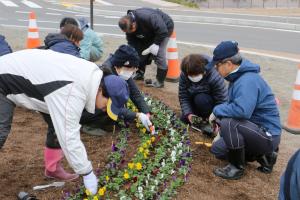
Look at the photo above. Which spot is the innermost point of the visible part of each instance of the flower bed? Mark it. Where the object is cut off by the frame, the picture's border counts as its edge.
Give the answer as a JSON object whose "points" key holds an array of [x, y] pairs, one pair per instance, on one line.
{"points": [[159, 166]]}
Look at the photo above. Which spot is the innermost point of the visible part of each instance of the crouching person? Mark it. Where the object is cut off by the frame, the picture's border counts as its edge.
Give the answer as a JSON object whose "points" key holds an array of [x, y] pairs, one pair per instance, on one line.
{"points": [[249, 122], [124, 63], [201, 88], [60, 86]]}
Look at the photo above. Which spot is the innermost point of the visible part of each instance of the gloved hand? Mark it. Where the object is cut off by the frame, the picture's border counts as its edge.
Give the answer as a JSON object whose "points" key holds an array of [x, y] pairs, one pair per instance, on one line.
{"points": [[91, 182], [145, 120], [190, 118], [212, 118], [153, 49]]}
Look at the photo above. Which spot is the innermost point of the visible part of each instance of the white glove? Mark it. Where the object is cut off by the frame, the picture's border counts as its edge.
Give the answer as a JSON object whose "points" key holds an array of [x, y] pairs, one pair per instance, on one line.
{"points": [[212, 118], [153, 49], [91, 182], [216, 138], [145, 120]]}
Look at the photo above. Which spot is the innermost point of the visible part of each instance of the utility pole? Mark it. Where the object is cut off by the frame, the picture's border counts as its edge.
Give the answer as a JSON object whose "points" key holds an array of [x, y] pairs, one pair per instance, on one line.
{"points": [[92, 14]]}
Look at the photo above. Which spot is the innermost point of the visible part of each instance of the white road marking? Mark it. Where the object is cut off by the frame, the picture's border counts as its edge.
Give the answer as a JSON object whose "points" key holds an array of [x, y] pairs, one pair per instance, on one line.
{"points": [[104, 3], [53, 14], [241, 26], [39, 21], [109, 25], [23, 12], [8, 3], [67, 11], [30, 4]]}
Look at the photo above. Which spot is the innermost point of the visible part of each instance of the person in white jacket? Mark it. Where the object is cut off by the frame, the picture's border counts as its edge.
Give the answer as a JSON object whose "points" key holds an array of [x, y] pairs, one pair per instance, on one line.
{"points": [[61, 86]]}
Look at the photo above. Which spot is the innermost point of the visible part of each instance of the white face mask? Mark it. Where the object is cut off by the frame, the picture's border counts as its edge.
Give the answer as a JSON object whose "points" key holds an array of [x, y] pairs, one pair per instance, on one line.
{"points": [[125, 74], [195, 79]]}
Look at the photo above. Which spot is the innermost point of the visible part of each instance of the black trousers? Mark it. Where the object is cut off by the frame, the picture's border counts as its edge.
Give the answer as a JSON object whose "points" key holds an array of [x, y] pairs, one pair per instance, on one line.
{"points": [[86, 118], [237, 134]]}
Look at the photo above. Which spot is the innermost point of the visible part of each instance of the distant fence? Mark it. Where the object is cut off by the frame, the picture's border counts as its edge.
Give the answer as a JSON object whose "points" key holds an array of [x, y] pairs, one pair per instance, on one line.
{"points": [[248, 3]]}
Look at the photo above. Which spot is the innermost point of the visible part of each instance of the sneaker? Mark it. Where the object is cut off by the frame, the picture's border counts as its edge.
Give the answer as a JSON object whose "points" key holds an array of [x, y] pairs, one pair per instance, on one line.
{"points": [[155, 84]]}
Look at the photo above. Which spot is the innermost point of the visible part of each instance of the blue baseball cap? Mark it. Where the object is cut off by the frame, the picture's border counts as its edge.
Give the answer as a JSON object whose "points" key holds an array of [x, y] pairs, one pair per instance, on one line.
{"points": [[118, 93], [126, 56], [225, 49]]}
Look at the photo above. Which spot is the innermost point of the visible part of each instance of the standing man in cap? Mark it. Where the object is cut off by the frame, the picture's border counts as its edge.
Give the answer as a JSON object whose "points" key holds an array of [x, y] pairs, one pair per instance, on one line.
{"points": [[148, 31], [249, 122], [70, 85]]}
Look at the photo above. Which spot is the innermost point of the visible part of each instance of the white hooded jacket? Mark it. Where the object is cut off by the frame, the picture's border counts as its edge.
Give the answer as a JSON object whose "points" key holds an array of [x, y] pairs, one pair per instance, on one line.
{"points": [[59, 84]]}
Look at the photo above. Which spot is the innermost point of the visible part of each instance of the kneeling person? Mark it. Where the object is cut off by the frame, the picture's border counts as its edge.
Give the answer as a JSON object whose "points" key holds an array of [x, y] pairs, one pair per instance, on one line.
{"points": [[249, 122], [201, 88]]}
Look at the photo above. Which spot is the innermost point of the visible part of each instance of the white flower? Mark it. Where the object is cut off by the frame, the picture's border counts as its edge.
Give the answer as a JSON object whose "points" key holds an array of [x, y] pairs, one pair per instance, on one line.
{"points": [[180, 152], [179, 145], [123, 198], [172, 171], [140, 189], [156, 182], [141, 196], [152, 188], [163, 163], [173, 159], [173, 153], [148, 176], [146, 182], [161, 176]]}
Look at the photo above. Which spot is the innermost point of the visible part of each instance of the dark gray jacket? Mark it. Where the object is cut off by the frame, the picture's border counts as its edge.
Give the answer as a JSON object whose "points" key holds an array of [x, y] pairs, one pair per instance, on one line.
{"points": [[212, 84], [153, 26], [135, 95]]}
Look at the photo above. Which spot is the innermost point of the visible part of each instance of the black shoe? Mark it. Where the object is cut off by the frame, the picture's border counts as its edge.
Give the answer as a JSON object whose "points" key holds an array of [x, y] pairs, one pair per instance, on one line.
{"points": [[139, 76], [267, 162], [235, 169], [156, 84]]}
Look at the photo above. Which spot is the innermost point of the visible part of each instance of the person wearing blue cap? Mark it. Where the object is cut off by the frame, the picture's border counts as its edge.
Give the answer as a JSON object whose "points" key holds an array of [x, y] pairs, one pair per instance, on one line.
{"points": [[201, 88], [249, 121], [124, 63], [148, 31], [69, 86], [4, 46]]}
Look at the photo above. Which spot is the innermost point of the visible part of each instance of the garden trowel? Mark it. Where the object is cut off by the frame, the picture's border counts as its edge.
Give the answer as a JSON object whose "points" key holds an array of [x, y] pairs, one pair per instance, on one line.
{"points": [[54, 184]]}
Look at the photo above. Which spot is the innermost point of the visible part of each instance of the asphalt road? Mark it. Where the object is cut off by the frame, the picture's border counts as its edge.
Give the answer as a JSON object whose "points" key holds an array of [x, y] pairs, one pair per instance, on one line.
{"points": [[49, 13]]}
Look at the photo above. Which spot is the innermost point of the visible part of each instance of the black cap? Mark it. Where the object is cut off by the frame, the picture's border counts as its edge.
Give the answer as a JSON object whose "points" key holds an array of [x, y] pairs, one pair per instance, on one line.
{"points": [[125, 56]]}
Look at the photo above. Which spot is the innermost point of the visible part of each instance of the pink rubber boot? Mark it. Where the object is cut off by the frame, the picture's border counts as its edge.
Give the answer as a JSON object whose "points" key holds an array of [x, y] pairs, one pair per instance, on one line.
{"points": [[53, 168]]}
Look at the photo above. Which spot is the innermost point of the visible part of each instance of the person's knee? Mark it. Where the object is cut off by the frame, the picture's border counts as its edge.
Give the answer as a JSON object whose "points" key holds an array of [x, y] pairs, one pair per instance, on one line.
{"points": [[203, 104], [219, 149]]}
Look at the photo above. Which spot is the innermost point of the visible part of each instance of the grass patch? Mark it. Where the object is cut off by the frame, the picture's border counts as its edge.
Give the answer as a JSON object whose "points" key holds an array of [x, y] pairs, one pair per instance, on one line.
{"points": [[185, 3]]}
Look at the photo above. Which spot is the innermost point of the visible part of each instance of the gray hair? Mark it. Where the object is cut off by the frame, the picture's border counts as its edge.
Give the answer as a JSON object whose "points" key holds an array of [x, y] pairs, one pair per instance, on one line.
{"points": [[236, 59]]}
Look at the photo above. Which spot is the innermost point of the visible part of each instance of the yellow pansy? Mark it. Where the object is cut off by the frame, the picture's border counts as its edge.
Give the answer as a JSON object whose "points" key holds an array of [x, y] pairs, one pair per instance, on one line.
{"points": [[144, 130], [152, 139], [87, 192], [147, 152], [130, 165], [138, 166], [145, 155], [95, 198], [145, 145], [102, 191], [148, 142], [126, 175], [107, 178], [141, 149]]}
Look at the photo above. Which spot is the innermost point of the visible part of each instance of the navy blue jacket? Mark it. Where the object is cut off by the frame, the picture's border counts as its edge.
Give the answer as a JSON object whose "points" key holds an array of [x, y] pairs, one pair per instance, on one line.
{"points": [[134, 93], [60, 43], [153, 26], [211, 83], [4, 46], [250, 98], [290, 180]]}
